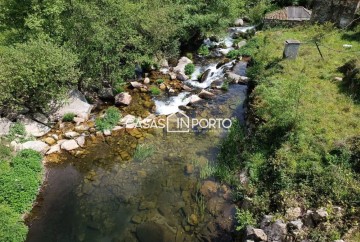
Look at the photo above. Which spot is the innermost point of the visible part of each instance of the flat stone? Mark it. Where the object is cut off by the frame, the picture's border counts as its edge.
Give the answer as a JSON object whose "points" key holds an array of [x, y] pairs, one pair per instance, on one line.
{"points": [[34, 128], [81, 141], [69, 145], [107, 132], [54, 149], [78, 120], [195, 99], [82, 128], [206, 95], [38, 146], [71, 135], [4, 126]]}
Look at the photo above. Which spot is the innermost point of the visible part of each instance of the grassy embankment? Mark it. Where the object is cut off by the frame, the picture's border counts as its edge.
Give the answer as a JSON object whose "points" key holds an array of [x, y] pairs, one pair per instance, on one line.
{"points": [[20, 178], [300, 149]]}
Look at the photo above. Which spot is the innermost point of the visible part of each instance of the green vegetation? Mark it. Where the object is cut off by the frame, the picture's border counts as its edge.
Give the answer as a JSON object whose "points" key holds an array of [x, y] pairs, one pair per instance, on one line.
{"points": [[225, 85], [44, 72], [204, 50], [109, 120], [68, 117], [251, 47], [189, 69], [143, 152], [244, 218], [159, 81], [20, 178], [301, 151], [17, 130], [119, 86], [155, 91]]}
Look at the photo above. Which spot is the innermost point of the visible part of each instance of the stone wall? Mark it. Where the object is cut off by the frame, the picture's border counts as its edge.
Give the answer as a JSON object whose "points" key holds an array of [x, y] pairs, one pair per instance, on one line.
{"points": [[340, 12]]}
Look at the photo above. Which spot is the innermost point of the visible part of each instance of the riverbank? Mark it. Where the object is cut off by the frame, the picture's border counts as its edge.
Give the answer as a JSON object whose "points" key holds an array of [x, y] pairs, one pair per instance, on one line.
{"points": [[298, 159]]}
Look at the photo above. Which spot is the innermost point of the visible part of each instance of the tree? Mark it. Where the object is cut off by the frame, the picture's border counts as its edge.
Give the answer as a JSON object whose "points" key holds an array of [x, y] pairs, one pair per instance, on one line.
{"points": [[34, 74]]}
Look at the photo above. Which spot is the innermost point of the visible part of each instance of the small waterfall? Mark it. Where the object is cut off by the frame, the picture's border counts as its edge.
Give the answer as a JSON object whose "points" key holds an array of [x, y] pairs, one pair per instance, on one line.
{"points": [[171, 105]]}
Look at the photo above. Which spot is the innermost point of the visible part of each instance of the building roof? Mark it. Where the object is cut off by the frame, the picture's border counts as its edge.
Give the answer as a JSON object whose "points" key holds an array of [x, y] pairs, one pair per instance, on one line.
{"points": [[290, 13]]}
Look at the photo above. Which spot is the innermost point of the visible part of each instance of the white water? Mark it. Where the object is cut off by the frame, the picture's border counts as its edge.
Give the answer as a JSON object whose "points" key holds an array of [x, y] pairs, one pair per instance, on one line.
{"points": [[171, 105]]}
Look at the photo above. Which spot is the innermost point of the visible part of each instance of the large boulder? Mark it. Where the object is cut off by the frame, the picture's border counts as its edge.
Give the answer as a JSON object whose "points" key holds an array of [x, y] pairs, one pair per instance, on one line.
{"points": [[239, 22], [4, 126], [38, 146], [75, 103], [254, 234], [123, 99], [106, 93], [33, 128], [180, 68]]}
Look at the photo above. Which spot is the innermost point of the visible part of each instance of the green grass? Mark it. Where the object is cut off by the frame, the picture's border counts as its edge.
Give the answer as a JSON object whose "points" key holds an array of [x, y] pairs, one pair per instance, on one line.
{"points": [[17, 131], [109, 120], [189, 69], [155, 91], [20, 178], [301, 148], [204, 50], [68, 117], [159, 81], [143, 152]]}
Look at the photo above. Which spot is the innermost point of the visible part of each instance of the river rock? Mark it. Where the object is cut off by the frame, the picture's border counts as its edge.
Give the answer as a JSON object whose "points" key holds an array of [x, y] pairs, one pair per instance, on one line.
{"points": [[71, 134], [33, 128], [239, 22], [205, 75], [226, 221], [172, 75], [151, 231], [69, 145], [107, 132], [136, 84], [276, 231], [41, 118], [255, 234], [123, 99], [206, 95], [241, 44], [75, 103], [49, 140], [146, 80], [4, 126], [180, 68], [82, 128], [209, 188], [295, 226], [54, 149], [186, 88], [182, 77], [106, 93], [194, 99], [38, 146], [189, 169], [293, 213], [193, 220], [128, 119], [320, 215], [162, 87], [215, 205], [81, 141]]}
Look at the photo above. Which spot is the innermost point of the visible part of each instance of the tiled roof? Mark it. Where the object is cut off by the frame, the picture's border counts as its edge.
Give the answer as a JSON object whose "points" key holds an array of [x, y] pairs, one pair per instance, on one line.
{"points": [[290, 13]]}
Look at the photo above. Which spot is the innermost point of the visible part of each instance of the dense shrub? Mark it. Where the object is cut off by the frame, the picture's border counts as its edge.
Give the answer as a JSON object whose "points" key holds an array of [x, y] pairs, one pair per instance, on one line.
{"points": [[68, 117], [204, 50], [20, 178], [189, 69], [155, 91]]}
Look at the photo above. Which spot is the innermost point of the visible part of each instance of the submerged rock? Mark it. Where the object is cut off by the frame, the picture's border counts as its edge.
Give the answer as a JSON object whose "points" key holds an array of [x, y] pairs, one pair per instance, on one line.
{"points": [[153, 232], [208, 188]]}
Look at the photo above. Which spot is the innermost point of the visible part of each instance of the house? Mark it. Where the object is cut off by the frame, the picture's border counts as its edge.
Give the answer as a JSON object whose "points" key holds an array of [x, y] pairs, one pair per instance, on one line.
{"points": [[289, 16], [340, 12]]}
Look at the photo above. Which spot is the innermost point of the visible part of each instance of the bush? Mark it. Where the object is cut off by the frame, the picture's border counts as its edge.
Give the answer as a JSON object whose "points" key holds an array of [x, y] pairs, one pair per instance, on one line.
{"points": [[68, 117], [110, 119], [244, 218], [204, 50], [155, 91], [16, 130], [189, 69]]}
